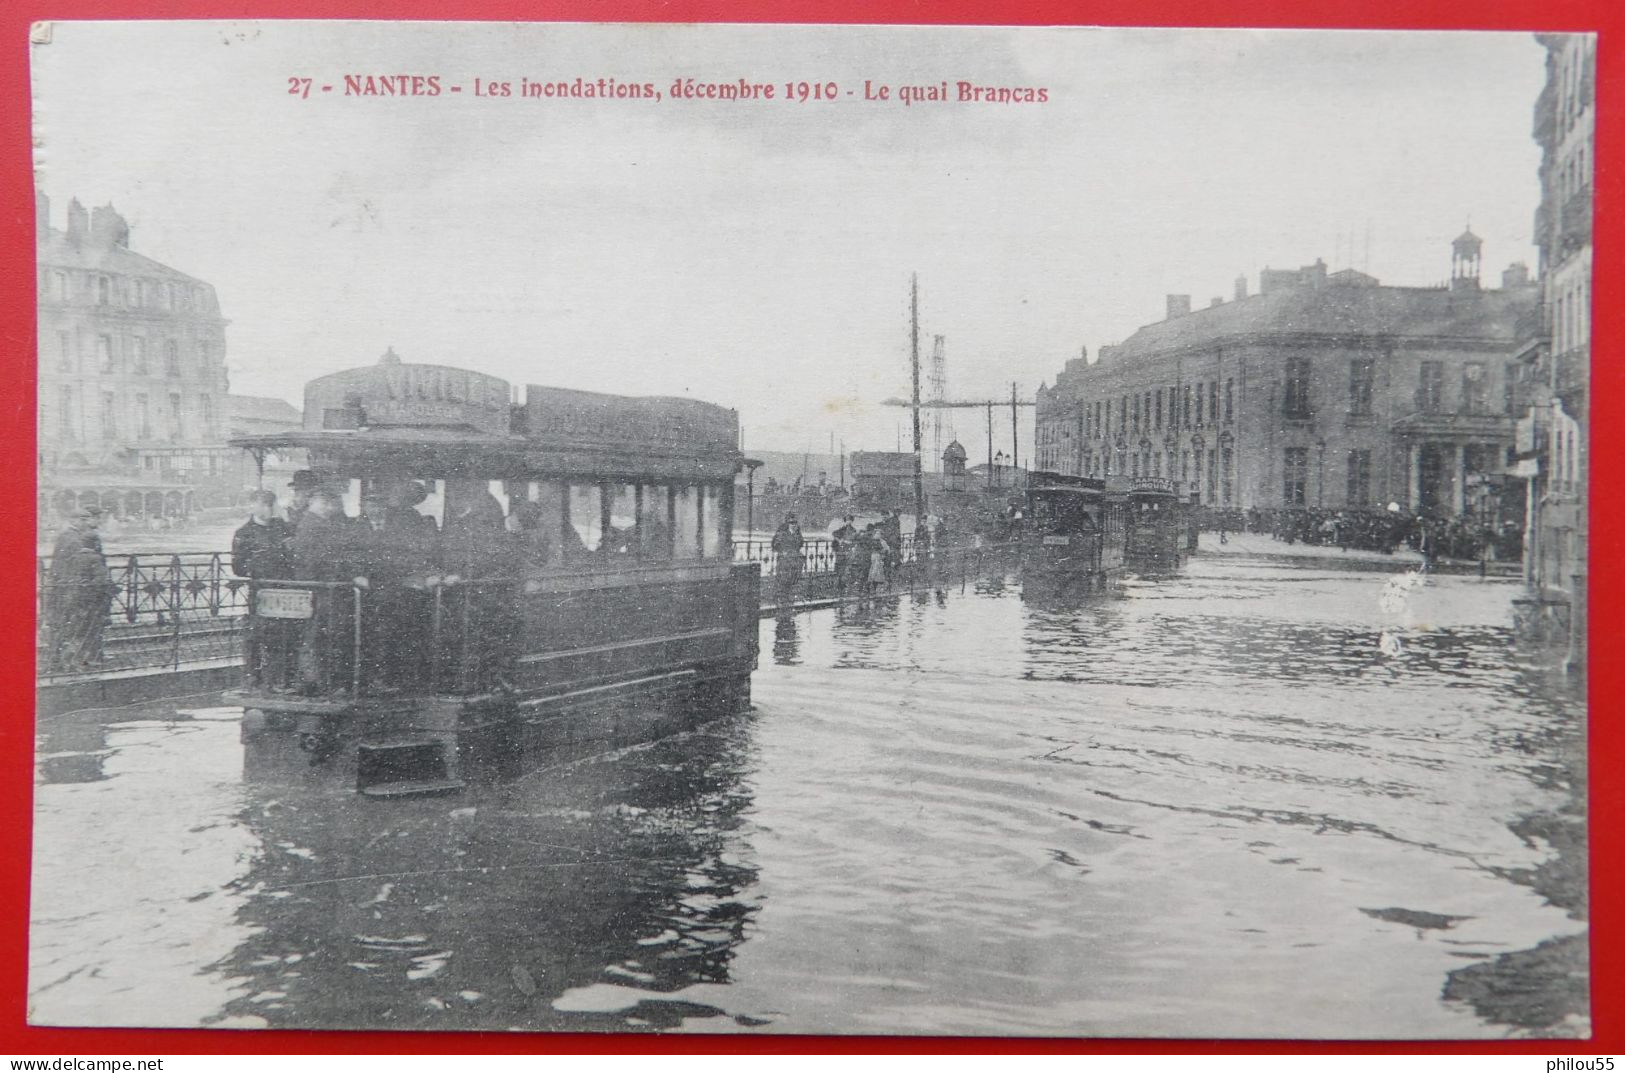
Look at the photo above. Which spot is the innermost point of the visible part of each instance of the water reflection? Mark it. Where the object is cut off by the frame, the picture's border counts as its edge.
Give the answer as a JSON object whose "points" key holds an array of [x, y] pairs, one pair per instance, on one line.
{"points": [[607, 893], [785, 640]]}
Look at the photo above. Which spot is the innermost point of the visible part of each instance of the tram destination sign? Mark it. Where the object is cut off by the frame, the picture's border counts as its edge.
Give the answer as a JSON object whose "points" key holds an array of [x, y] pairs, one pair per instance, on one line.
{"points": [[284, 603]]}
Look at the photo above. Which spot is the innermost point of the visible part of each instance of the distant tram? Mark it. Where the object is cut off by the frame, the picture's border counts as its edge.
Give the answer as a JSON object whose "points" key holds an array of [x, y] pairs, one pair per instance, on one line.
{"points": [[506, 581], [1073, 536], [1158, 525]]}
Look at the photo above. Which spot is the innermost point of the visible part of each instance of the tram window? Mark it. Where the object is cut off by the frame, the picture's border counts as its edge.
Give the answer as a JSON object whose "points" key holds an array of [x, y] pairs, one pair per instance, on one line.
{"points": [[686, 536], [434, 503], [654, 521], [350, 492], [544, 521], [621, 503], [712, 524], [499, 489], [586, 516]]}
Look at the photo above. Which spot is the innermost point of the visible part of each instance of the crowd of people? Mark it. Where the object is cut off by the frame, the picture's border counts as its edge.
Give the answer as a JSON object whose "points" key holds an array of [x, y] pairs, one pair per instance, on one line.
{"points": [[1380, 531], [395, 557]]}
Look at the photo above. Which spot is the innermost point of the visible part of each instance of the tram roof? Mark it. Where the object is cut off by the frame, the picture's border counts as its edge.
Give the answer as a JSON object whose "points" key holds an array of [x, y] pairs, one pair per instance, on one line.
{"points": [[451, 450], [1042, 481]]}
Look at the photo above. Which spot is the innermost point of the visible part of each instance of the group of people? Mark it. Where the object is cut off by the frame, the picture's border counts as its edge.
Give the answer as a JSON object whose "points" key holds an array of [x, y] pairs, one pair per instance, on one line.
{"points": [[78, 594], [866, 559], [1384, 530], [395, 557]]}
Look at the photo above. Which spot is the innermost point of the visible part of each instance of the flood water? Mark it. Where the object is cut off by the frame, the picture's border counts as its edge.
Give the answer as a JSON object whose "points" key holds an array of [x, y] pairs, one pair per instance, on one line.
{"points": [[1266, 797]]}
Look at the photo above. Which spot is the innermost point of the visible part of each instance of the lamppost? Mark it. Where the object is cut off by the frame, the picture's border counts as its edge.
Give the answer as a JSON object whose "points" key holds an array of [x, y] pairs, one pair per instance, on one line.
{"points": [[1320, 477]]}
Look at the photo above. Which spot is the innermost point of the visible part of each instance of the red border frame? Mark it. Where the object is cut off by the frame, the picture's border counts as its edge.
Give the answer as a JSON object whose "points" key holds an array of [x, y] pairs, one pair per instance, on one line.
{"points": [[17, 333]]}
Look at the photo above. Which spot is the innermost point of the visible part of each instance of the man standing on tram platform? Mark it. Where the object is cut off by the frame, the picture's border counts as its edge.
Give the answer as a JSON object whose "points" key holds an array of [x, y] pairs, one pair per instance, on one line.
{"points": [[301, 485], [259, 551], [324, 550]]}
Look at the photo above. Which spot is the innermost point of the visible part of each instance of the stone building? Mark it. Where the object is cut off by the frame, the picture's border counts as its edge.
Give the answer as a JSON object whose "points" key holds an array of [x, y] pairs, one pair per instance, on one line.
{"points": [[1554, 437], [1323, 390], [132, 376]]}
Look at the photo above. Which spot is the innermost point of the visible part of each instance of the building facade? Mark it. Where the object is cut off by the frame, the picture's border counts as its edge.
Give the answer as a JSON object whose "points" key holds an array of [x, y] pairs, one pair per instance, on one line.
{"points": [[1555, 434], [1324, 390], [132, 376]]}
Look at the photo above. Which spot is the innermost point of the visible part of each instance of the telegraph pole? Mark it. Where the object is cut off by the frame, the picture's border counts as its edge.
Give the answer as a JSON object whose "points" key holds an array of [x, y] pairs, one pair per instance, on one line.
{"points": [[914, 353], [1015, 437]]}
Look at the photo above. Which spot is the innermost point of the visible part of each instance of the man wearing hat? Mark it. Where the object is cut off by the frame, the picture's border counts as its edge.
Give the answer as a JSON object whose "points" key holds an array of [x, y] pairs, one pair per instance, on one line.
{"points": [[302, 483], [324, 548], [787, 545], [78, 595], [259, 551]]}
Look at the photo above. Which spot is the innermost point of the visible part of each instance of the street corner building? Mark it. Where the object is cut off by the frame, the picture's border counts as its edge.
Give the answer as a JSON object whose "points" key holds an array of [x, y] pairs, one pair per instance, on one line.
{"points": [[1324, 389], [132, 377]]}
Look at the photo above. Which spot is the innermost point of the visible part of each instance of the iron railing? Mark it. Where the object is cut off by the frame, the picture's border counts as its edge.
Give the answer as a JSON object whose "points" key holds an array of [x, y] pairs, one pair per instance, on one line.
{"points": [[157, 610], [161, 611]]}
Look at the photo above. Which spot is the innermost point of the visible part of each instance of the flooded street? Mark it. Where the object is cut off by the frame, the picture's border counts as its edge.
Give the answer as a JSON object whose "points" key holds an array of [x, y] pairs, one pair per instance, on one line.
{"points": [[1265, 797]]}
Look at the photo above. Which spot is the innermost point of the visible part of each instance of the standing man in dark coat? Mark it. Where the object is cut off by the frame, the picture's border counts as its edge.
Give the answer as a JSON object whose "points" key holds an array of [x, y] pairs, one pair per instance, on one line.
{"points": [[787, 545], [78, 595], [302, 484], [845, 539], [259, 551], [324, 549]]}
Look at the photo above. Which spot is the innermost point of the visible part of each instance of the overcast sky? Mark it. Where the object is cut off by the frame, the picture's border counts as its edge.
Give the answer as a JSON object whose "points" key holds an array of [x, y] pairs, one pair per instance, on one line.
{"points": [[758, 254]]}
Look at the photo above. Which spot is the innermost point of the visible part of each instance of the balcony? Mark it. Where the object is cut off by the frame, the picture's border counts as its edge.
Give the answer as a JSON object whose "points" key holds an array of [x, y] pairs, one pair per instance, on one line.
{"points": [[1574, 223], [1571, 379]]}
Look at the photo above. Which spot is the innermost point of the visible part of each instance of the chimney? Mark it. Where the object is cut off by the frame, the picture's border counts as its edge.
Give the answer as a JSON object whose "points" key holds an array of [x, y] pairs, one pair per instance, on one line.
{"points": [[1178, 305], [107, 227], [42, 215], [1217, 301], [1241, 287], [1516, 275], [78, 221]]}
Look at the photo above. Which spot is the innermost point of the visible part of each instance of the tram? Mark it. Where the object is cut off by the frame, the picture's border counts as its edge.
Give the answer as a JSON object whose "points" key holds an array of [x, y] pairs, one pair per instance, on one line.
{"points": [[1073, 536], [1159, 522], [488, 582]]}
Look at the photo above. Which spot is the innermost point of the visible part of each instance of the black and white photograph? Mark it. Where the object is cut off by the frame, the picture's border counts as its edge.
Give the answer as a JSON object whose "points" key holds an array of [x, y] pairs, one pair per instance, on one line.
{"points": [[812, 529]]}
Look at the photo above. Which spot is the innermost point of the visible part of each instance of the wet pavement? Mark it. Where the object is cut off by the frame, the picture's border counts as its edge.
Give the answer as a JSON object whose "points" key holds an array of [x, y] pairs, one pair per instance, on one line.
{"points": [[1269, 796]]}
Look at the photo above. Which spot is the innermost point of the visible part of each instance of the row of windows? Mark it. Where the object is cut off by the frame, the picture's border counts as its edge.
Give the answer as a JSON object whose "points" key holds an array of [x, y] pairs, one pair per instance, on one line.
{"points": [[1192, 406], [115, 422], [1357, 475], [61, 285], [1473, 397], [1571, 314], [120, 353], [1152, 411]]}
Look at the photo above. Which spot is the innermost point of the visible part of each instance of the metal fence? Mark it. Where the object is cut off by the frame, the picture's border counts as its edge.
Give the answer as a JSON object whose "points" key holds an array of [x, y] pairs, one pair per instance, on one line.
{"points": [[163, 610], [157, 610], [817, 554]]}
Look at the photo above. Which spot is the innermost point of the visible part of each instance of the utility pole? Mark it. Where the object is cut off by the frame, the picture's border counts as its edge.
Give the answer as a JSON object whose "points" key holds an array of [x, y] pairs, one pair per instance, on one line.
{"points": [[990, 445], [1014, 436], [914, 357]]}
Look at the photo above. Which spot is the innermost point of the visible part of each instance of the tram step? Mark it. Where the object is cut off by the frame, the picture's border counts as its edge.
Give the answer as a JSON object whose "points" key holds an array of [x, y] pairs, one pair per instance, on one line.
{"points": [[381, 765], [413, 788]]}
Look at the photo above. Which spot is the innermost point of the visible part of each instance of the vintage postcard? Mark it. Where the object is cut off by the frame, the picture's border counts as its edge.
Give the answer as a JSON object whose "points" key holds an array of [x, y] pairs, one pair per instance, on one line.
{"points": [[812, 529]]}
